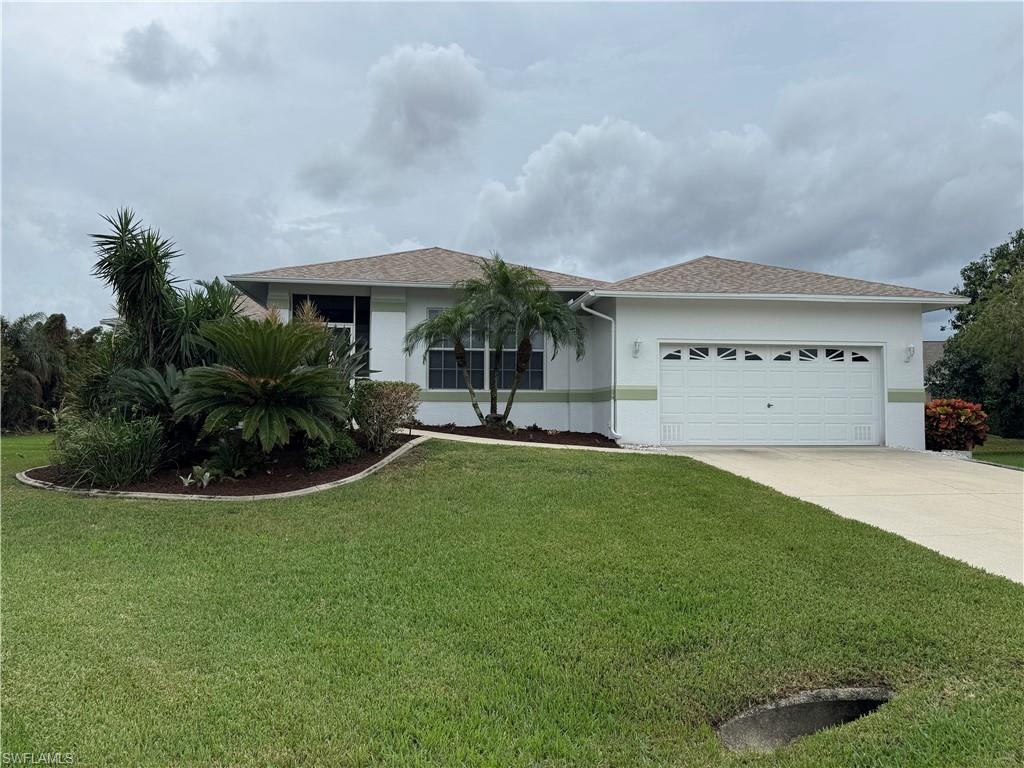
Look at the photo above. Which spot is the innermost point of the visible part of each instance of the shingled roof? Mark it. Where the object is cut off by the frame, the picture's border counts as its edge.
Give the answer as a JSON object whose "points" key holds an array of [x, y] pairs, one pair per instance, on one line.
{"points": [[428, 266], [710, 275]]}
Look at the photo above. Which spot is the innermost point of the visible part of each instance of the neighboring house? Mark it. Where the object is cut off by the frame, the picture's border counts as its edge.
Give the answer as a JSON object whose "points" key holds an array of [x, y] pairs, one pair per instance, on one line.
{"points": [[710, 351]]}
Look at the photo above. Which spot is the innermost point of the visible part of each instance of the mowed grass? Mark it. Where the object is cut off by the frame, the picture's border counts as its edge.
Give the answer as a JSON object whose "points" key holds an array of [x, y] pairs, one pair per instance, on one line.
{"points": [[489, 606], [1002, 450]]}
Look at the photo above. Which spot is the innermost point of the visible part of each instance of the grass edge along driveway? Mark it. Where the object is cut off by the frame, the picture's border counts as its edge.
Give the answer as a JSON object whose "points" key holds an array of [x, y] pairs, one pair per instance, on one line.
{"points": [[489, 606]]}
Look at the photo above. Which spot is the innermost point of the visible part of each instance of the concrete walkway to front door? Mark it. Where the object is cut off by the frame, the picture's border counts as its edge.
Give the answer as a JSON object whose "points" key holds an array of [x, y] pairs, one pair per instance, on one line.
{"points": [[967, 510]]}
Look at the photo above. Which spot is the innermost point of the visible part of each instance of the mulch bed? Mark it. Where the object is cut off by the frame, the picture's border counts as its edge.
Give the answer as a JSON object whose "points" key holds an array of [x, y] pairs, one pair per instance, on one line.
{"points": [[526, 435], [284, 473]]}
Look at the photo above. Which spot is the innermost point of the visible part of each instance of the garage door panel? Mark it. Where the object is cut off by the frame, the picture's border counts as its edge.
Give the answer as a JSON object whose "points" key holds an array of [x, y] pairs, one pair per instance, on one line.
{"points": [[781, 379], [727, 405], [806, 406], [798, 394], [697, 378], [700, 405]]}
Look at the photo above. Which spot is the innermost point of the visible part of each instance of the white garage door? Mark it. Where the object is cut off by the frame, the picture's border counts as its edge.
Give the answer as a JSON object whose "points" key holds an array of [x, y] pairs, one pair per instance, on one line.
{"points": [[759, 395]]}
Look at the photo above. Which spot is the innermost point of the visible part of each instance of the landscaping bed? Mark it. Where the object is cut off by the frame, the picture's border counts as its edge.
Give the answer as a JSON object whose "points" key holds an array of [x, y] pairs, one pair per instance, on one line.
{"points": [[285, 471], [532, 434]]}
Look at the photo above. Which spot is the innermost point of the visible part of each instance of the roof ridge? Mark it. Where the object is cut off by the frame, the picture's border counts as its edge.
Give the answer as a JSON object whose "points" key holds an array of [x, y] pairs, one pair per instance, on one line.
{"points": [[435, 251], [813, 272], [624, 282], [662, 269]]}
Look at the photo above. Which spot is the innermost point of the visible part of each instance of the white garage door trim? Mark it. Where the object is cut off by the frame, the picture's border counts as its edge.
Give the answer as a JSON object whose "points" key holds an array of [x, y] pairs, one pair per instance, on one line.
{"points": [[745, 393]]}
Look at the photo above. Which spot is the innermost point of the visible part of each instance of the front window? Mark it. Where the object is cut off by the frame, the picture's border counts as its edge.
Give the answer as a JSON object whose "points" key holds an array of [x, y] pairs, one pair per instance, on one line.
{"points": [[443, 372]]}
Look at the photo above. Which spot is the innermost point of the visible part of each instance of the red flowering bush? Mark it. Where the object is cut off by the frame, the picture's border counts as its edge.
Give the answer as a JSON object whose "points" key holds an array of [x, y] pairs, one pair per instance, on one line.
{"points": [[954, 425]]}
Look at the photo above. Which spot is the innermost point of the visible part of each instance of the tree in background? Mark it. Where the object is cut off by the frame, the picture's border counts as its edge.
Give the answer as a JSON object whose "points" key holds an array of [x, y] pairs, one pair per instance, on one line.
{"points": [[986, 277], [984, 359], [40, 355]]}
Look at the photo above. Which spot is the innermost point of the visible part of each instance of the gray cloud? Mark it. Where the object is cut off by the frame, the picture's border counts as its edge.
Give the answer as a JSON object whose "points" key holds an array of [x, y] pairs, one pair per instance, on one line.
{"points": [[870, 139], [838, 180], [151, 56], [424, 99]]}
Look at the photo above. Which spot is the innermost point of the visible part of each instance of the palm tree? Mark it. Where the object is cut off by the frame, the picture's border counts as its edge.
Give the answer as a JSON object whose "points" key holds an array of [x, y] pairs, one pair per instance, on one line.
{"points": [[454, 324], [135, 262], [541, 311], [512, 303], [493, 301], [263, 382], [161, 322]]}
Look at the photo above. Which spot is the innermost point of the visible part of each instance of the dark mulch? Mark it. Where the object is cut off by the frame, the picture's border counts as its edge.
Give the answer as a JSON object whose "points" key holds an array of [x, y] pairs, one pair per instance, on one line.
{"points": [[285, 472], [532, 434]]}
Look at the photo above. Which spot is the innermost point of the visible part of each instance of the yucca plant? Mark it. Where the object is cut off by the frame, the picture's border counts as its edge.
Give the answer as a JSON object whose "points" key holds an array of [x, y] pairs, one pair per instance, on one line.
{"points": [[263, 382]]}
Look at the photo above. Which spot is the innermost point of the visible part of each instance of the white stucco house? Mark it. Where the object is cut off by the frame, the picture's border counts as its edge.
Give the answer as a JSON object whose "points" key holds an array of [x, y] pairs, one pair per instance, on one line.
{"points": [[710, 351]]}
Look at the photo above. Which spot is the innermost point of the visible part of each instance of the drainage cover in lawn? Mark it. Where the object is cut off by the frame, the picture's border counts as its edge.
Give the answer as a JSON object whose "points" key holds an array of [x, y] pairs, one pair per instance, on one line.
{"points": [[777, 723]]}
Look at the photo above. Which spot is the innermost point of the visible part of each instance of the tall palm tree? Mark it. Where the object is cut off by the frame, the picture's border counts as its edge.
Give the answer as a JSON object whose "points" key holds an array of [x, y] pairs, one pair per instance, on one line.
{"points": [[494, 300], [135, 262], [541, 311], [454, 325], [161, 321]]}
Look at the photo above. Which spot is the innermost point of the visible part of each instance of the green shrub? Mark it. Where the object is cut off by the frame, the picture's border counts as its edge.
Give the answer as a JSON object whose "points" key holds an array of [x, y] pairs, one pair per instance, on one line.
{"points": [[264, 382], [231, 457], [321, 455], [381, 407], [107, 451], [954, 425]]}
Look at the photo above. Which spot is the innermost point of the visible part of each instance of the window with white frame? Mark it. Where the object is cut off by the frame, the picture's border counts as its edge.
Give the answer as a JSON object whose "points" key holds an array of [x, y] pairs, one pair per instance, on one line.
{"points": [[443, 371]]}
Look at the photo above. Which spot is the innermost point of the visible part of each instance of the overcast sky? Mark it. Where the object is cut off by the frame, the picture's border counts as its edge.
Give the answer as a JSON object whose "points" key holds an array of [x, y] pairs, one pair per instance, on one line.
{"points": [[872, 140]]}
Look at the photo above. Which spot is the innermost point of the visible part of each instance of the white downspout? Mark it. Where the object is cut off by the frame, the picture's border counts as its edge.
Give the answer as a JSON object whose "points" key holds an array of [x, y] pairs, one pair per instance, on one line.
{"points": [[615, 404]]}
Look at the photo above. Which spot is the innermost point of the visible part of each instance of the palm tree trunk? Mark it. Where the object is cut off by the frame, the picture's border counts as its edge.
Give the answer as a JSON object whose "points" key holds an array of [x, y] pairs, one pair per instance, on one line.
{"points": [[493, 381], [460, 360], [522, 365]]}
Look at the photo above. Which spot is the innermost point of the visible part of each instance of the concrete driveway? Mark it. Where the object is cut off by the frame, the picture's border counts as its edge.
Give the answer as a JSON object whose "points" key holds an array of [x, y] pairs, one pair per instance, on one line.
{"points": [[973, 512]]}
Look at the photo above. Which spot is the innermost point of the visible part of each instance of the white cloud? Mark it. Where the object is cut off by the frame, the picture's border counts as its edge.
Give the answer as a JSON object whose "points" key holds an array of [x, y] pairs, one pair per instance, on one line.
{"points": [[829, 184], [424, 100]]}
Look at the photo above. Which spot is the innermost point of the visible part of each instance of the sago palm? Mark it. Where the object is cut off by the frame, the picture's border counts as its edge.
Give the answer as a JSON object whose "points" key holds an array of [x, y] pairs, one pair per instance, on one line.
{"points": [[453, 325], [263, 383]]}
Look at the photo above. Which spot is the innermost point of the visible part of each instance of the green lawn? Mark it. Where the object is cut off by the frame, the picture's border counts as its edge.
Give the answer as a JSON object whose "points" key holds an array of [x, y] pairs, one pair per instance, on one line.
{"points": [[489, 606], [1002, 450]]}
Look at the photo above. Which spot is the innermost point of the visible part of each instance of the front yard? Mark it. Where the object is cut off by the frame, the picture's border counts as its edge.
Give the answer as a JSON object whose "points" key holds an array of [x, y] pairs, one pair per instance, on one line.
{"points": [[489, 606]]}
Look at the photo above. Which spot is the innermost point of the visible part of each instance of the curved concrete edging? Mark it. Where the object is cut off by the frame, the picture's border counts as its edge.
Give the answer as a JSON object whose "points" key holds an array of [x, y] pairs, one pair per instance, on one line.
{"points": [[42, 484]]}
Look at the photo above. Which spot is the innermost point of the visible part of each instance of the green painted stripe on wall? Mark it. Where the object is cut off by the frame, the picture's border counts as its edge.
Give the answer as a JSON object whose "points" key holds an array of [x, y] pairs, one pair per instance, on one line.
{"points": [[522, 396], [636, 393], [906, 396], [387, 305]]}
